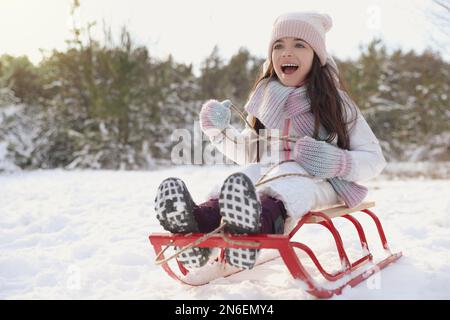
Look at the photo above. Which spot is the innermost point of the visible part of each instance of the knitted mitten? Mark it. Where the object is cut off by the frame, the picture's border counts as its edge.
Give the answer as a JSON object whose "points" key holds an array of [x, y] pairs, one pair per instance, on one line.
{"points": [[349, 192], [322, 159], [215, 115]]}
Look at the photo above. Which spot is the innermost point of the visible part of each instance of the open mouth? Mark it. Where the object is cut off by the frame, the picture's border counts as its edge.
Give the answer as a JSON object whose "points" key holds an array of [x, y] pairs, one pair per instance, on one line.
{"points": [[289, 68]]}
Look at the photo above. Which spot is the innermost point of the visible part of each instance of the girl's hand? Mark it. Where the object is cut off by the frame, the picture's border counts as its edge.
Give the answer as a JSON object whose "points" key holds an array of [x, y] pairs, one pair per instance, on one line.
{"points": [[322, 159], [215, 115]]}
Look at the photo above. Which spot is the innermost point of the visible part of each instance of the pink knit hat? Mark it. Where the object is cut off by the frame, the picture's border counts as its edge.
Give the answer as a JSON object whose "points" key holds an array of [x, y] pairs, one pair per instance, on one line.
{"points": [[309, 26]]}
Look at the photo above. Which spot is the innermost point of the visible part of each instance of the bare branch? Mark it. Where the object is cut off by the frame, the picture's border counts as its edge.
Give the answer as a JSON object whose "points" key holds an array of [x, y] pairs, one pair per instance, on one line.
{"points": [[443, 4]]}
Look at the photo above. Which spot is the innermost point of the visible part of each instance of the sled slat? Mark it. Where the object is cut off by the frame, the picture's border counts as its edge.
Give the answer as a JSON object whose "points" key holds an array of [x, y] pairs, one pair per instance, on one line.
{"points": [[341, 210]]}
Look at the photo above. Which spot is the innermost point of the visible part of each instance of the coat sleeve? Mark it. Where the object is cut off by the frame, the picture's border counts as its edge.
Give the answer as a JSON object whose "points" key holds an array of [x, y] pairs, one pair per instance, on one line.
{"points": [[365, 151], [238, 146]]}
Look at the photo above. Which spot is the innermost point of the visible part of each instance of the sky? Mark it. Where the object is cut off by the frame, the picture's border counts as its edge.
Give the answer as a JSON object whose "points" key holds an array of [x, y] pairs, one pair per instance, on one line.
{"points": [[189, 30]]}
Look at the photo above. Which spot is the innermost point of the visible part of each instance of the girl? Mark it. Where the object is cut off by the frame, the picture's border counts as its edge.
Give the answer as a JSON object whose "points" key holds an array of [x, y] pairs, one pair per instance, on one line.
{"points": [[319, 146]]}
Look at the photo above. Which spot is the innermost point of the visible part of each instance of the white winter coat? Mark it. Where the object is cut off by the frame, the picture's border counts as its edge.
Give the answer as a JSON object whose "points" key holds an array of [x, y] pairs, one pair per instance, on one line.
{"points": [[299, 194]]}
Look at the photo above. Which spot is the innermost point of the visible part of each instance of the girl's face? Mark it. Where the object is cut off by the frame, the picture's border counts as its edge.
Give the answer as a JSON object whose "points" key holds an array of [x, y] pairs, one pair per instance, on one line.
{"points": [[292, 51]]}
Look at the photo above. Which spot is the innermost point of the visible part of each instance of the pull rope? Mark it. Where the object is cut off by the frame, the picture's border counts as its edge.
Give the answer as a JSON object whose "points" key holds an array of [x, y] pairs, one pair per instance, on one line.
{"points": [[261, 180], [218, 231], [243, 117], [190, 245]]}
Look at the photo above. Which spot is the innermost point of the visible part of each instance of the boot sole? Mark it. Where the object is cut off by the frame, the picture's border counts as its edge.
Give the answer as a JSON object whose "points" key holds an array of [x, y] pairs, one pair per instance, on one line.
{"points": [[174, 209], [240, 209]]}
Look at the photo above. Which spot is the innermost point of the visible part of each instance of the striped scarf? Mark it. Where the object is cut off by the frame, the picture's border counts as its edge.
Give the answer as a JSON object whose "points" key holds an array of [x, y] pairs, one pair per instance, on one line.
{"points": [[271, 101]]}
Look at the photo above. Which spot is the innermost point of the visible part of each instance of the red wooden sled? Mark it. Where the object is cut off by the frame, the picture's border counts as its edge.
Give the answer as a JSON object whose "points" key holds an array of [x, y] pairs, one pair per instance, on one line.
{"points": [[285, 246]]}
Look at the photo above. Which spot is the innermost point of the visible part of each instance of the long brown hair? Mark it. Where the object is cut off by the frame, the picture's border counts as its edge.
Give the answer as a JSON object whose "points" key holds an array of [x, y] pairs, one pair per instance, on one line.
{"points": [[323, 84]]}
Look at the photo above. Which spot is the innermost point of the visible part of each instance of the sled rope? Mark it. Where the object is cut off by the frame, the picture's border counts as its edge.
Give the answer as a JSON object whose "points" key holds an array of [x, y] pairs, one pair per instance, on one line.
{"points": [[260, 180], [282, 176], [217, 231], [242, 116], [269, 139], [190, 245], [286, 138]]}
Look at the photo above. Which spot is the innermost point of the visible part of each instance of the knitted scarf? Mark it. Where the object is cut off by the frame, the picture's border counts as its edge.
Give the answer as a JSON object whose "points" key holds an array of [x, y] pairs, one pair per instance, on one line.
{"points": [[272, 101]]}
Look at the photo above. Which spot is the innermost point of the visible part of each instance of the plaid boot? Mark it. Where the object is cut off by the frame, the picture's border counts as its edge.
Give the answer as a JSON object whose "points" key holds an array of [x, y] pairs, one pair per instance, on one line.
{"points": [[240, 209], [174, 210]]}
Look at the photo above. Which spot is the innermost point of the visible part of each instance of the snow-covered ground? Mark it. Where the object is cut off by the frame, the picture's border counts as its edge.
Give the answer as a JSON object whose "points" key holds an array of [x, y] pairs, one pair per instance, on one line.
{"points": [[84, 235]]}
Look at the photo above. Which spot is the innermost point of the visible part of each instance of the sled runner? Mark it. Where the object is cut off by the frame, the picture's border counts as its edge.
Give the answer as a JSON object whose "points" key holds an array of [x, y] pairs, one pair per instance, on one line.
{"points": [[350, 274]]}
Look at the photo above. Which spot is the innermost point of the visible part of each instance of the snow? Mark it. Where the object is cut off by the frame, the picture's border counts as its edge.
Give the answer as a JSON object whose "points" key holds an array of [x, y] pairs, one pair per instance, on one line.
{"points": [[84, 235]]}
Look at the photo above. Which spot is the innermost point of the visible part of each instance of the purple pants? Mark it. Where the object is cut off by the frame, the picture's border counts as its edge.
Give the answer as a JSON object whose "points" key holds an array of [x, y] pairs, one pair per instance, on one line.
{"points": [[273, 215]]}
